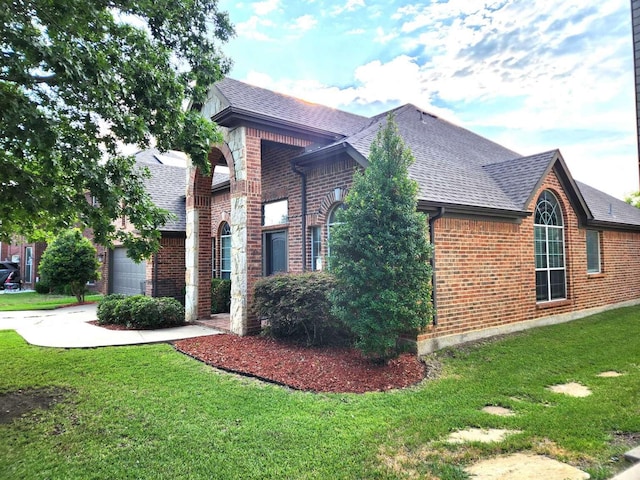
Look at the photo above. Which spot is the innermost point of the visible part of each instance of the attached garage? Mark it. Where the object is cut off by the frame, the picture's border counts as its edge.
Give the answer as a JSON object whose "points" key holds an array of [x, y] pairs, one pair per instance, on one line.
{"points": [[126, 276]]}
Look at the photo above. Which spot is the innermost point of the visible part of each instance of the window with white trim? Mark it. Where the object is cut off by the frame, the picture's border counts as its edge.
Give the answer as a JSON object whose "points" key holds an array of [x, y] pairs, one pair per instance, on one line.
{"points": [[548, 230], [316, 242], [225, 251], [332, 222], [593, 251], [28, 264]]}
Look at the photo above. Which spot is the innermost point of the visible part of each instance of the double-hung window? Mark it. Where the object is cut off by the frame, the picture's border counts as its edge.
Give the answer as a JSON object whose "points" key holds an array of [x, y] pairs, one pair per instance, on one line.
{"points": [[549, 249], [593, 251]]}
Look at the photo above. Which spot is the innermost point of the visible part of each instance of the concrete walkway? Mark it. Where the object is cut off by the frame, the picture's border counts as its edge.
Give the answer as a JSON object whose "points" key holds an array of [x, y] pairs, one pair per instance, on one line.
{"points": [[68, 328]]}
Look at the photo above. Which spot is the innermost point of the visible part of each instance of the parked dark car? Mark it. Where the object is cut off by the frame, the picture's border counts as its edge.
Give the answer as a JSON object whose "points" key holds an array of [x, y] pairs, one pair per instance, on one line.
{"points": [[10, 276]]}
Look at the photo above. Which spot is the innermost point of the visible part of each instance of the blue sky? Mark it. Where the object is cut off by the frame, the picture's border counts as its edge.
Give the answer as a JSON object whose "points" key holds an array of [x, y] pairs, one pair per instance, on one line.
{"points": [[532, 75]]}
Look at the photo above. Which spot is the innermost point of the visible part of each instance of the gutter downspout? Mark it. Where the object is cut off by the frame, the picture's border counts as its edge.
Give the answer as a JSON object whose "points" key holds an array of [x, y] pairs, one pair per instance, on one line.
{"points": [[154, 286], [303, 222], [432, 261]]}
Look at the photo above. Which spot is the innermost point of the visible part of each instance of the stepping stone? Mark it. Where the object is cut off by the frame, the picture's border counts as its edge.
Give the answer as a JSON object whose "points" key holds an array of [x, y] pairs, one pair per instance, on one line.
{"points": [[480, 435], [633, 455], [500, 411], [572, 389], [520, 466], [609, 374]]}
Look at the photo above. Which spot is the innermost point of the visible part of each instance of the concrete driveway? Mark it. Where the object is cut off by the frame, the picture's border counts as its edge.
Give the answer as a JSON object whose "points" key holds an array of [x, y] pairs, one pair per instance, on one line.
{"points": [[69, 328]]}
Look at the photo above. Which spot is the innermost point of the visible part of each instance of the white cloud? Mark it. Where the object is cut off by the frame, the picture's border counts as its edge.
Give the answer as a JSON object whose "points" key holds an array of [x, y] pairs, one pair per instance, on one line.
{"points": [[527, 70], [383, 38], [250, 29], [265, 7], [350, 6], [304, 23]]}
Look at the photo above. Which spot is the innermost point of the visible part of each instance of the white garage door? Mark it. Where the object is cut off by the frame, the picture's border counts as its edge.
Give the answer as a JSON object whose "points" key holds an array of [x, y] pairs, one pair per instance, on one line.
{"points": [[126, 275]]}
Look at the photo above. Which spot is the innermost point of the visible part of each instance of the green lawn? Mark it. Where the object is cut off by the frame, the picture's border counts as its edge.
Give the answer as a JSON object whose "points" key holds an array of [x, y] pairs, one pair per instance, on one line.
{"points": [[14, 301], [150, 412]]}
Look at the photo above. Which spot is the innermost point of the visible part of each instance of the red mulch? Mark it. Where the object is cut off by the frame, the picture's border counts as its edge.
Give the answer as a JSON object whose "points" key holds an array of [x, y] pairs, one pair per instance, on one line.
{"points": [[303, 368]]}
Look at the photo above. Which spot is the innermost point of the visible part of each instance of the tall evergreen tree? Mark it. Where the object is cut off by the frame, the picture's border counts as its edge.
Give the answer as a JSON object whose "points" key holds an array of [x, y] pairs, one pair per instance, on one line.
{"points": [[380, 252]]}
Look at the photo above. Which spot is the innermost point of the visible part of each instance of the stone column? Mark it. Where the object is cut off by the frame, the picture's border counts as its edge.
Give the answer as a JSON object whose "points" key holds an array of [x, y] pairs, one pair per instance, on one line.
{"points": [[246, 198], [191, 259]]}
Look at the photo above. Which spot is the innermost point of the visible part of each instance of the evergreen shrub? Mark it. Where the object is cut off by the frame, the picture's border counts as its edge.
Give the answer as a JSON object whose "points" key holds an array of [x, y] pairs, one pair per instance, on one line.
{"points": [[297, 307], [220, 295]]}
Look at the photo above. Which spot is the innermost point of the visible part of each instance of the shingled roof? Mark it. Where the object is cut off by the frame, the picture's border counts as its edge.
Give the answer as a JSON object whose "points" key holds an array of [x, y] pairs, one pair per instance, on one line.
{"points": [[243, 99], [168, 181], [167, 188], [454, 167]]}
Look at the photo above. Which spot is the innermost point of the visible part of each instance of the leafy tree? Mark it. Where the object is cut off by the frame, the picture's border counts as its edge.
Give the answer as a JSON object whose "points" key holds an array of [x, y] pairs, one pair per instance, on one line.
{"points": [[70, 260], [80, 78], [380, 253], [633, 199]]}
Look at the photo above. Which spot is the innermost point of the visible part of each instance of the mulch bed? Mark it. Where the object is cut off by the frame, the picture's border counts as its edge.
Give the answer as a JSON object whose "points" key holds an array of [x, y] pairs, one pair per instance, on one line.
{"points": [[315, 369]]}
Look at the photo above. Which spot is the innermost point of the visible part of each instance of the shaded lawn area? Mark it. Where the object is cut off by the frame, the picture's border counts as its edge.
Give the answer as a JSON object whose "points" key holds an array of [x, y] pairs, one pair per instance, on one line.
{"points": [[15, 301], [151, 412]]}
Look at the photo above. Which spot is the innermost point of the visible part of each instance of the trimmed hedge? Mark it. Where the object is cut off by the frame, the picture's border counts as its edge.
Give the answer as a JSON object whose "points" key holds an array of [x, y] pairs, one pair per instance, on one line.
{"points": [[107, 309], [220, 295], [297, 306], [140, 312]]}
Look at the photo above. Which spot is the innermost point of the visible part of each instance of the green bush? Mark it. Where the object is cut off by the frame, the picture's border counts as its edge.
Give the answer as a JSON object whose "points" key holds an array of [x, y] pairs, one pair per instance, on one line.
{"points": [[107, 309], [380, 252], [220, 295], [297, 306], [42, 287], [140, 312], [70, 262]]}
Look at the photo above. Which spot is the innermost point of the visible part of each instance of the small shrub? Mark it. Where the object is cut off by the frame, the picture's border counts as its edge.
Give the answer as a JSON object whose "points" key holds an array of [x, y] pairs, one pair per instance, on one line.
{"points": [[220, 295], [143, 312], [140, 312], [107, 309], [171, 311], [297, 306], [42, 287]]}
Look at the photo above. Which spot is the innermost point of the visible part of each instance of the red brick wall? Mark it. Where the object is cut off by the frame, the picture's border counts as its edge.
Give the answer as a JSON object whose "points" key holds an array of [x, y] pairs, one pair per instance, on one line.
{"points": [[485, 271], [322, 182], [170, 262]]}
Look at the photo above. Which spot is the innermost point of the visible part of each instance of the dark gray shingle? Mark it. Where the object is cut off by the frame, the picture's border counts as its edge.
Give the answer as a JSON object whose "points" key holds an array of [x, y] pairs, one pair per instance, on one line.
{"points": [[277, 106], [606, 208]]}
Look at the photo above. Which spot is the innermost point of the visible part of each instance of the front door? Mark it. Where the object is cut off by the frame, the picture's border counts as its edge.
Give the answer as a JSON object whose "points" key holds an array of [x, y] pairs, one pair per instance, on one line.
{"points": [[275, 252]]}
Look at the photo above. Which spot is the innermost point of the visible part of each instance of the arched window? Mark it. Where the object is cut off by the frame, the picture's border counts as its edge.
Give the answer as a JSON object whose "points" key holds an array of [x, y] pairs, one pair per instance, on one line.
{"points": [[332, 222], [225, 251], [549, 249]]}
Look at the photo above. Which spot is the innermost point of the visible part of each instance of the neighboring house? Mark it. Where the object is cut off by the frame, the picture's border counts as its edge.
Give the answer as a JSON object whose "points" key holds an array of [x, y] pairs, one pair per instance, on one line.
{"points": [[518, 242], [164, 273], [27, 255]]}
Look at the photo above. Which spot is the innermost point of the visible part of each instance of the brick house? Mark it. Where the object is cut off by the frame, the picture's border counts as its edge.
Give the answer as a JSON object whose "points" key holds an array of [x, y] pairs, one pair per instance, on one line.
{"points": [[27, 255], [518, 242]]}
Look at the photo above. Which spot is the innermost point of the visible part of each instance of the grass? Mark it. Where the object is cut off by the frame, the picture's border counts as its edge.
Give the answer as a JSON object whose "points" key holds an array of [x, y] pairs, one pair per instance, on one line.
{"points": [[150, 412], [11, 302]]}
